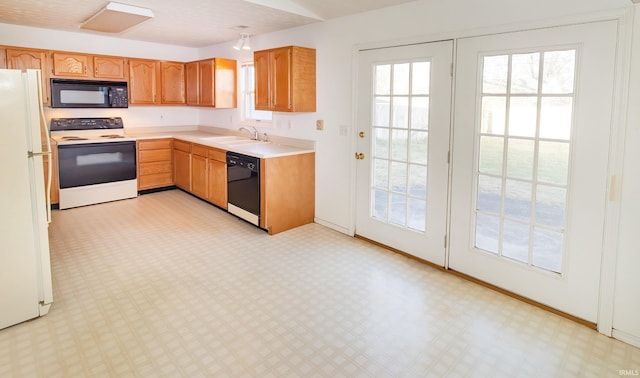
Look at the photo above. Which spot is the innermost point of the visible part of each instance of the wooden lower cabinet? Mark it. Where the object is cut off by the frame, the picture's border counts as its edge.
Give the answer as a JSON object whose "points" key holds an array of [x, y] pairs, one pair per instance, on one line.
{"points": [[199, 177], [287, 192], [155, 163], [217, 176], [209, 174], [182, 169]]}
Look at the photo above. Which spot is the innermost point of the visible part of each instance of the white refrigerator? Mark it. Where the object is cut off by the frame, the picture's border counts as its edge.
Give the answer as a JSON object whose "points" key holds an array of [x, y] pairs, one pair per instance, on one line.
{"points": [[25, 269]]}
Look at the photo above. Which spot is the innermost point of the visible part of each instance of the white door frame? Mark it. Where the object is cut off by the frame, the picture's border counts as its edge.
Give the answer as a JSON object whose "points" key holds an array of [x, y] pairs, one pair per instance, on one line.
{"points": [[624, 17]]}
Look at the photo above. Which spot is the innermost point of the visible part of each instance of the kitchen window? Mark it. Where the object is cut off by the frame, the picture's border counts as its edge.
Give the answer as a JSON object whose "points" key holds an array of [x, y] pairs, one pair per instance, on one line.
{"points": [[249, 115]]}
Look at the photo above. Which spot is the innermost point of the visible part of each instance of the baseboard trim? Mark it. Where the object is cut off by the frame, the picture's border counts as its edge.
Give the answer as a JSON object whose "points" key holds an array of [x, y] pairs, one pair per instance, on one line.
{"points": [[563, 314]]}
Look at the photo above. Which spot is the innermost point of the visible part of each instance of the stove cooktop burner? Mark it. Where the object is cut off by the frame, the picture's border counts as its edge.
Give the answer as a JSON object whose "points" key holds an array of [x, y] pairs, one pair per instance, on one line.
{"points": [[112, 136], [74, 138]]}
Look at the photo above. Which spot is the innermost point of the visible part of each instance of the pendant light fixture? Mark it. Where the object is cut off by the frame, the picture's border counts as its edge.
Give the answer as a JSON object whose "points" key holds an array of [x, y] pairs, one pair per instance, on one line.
{"points": [[243, 43]]}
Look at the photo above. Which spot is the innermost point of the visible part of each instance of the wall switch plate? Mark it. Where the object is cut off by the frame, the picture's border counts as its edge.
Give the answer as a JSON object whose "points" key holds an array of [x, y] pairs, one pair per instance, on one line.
{"points": [[320, 124]]}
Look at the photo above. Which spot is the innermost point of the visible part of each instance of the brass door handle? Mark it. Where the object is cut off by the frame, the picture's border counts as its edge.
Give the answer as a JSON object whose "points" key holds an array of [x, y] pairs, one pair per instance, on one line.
{"points": [[359, 156], [361, 134]]}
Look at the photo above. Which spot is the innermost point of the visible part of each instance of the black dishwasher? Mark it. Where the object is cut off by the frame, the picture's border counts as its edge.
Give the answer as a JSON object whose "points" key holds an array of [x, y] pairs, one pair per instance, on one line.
{"points": [[243, 186]]}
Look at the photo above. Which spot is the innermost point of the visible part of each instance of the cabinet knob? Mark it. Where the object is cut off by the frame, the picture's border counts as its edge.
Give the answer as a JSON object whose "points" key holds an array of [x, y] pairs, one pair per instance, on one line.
{"points": [[359, 156]]}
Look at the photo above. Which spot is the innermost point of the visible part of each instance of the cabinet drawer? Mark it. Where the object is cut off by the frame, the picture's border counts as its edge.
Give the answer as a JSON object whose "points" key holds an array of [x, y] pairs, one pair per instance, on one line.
{"points": [[217, 154], [155, 181], [199, 150], [155, 144], [154, 168], [154, 155], [181, 145]]}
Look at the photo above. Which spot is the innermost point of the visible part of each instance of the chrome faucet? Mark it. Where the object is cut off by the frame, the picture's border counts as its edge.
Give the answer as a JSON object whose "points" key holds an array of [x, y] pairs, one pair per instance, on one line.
{"points": [[253, 133]]}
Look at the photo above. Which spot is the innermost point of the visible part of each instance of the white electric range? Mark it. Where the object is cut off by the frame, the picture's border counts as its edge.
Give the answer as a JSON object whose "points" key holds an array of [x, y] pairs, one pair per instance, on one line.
{"points": [[96, 161]]}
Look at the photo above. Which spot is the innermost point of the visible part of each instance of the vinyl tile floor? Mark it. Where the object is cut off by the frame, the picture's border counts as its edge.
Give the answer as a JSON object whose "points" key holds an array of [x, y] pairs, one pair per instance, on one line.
{"points": [[166, 285]]}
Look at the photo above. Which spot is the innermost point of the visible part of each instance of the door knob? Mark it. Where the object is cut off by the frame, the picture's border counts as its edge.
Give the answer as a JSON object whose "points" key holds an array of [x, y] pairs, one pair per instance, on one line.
{"points": [[359, 156], [361, 134]]}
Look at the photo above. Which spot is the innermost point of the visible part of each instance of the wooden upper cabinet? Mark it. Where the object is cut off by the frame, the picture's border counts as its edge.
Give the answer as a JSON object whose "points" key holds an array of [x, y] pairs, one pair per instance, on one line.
{"points": [[226, 83], [212, 82], [109, 67], [143, 81], [261, 65], [285, 79], [3, 57], [24, 59], [192, 76], [71, 65], [172, 82]]}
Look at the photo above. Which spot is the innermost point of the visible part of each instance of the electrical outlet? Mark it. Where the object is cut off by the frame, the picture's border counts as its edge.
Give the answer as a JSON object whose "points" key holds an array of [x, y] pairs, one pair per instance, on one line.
{"points": [[320, 124]]}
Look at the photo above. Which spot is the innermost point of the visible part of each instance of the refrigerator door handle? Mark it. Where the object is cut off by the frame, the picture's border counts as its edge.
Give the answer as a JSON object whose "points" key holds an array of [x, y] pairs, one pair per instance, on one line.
{"points": [[43, 120]]}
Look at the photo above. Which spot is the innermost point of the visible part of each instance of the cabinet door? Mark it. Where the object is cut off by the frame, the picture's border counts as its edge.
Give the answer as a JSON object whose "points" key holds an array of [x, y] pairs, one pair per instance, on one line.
{"points": [[217, 183], [31, 59], [280, 79], [192, 73], [109, 67], [55, 190], [261, 67], [172, 82], [74, 65], [182, 169], [226, 79], [199, 176], [143, 81], [3, 57], [207, 83]]}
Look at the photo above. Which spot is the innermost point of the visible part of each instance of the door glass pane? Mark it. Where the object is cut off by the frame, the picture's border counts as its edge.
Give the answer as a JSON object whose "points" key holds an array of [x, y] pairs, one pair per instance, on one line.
{"points": [[400, 144], [381, 111], [400, 112], [494, 113], [516, 241], [418, 147], [517, 200], [520, 158], [380, 205], [398, 213], [559, 72], [547, 249], [491, 154], [523, 116], [488, 233], [381, 142], [551, 202], [525, 70], [418, 181], [555, 117], [399, 177], [521, 208], [401, 79], [420, 113], [417, 214], [553, 162], [489, 194], [495, 73], [383, 79], [381, 174], [420, 79]]}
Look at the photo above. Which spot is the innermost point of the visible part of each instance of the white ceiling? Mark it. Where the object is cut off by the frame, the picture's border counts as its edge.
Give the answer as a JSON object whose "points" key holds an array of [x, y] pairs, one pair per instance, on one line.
{"points": [[194, 23]]}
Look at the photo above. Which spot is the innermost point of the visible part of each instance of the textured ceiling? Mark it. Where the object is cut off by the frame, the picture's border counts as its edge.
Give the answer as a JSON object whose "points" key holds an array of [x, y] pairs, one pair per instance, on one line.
{"points": [[194, 23]]}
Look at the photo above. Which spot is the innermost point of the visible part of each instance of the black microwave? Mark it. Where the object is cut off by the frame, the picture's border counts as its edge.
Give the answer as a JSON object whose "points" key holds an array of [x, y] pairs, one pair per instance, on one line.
{"points": [[67, 93]]}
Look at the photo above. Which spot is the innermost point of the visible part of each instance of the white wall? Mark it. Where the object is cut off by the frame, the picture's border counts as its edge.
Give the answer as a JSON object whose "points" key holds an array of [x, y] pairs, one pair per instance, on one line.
{"points": [[626, 315]]}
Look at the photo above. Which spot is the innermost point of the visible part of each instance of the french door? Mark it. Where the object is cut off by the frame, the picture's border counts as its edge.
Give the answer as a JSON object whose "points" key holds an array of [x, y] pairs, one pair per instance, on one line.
{"points": [[402, 148], [530, 150]]}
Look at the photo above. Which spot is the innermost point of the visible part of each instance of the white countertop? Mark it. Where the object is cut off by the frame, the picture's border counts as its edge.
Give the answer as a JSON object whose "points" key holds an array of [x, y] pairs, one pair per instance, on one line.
{"points": [[231, 143]]}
